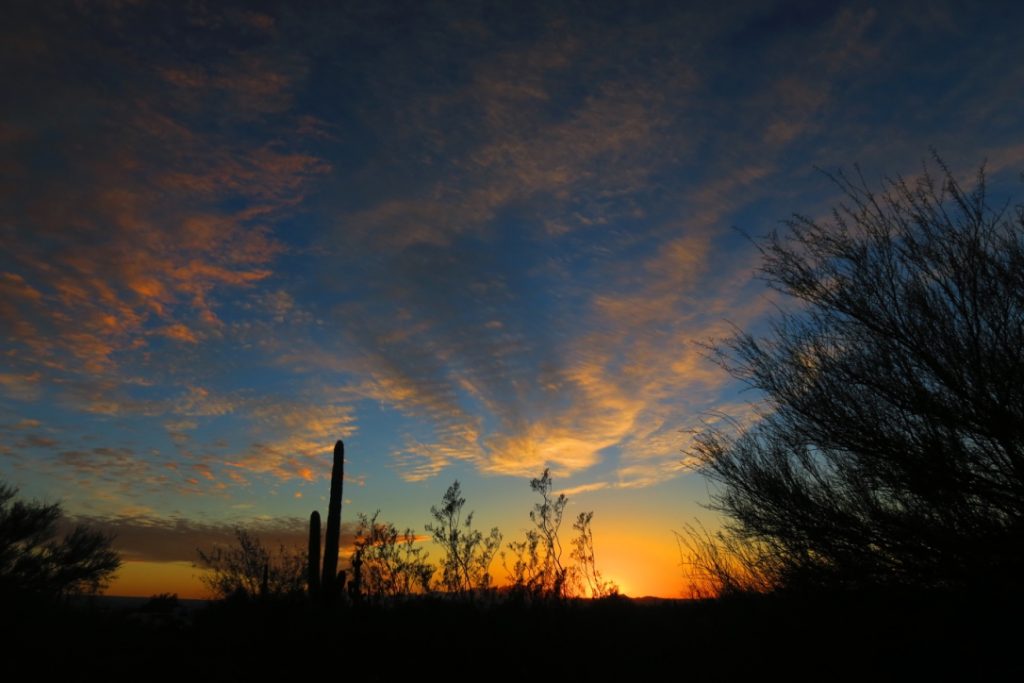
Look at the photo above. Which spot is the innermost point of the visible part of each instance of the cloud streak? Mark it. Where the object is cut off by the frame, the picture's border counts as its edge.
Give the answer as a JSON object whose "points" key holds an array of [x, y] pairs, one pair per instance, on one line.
{"points": [[490, 242], [148, 538]]}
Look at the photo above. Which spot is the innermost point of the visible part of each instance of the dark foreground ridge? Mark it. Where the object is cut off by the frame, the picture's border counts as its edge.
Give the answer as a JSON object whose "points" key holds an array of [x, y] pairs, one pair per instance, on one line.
{"points": [[848, 637]]}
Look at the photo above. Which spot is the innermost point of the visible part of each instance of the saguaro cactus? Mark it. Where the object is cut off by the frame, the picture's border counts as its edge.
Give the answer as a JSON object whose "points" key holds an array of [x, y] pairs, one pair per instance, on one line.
{"points": [[313, 569], [330, 572], [355, 587]]}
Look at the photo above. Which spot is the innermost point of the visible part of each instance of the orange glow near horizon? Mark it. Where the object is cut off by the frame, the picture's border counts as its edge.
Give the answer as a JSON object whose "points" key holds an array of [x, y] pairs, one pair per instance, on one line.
{"points": [[144, 579], [639, 565]]}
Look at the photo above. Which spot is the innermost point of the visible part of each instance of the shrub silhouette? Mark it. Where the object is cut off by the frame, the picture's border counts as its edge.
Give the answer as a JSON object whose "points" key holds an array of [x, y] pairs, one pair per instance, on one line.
{"points": [[585, 572], [32, 561], [468, 553], [390, 563], [891, 449], [249, 569], [537, 570], [724, 563]]}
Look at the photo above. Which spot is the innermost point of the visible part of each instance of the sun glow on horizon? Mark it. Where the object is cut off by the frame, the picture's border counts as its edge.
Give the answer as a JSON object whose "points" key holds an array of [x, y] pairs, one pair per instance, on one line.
{"points": [[146, 579]]}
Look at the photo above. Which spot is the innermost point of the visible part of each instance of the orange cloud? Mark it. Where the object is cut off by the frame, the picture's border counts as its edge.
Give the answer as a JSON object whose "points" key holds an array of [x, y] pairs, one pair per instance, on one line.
{"points": [[132, 247], [179, 332], [302, 439]]}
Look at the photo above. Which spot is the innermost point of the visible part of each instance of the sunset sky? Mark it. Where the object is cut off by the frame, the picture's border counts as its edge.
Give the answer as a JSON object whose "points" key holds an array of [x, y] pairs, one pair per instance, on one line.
{"points": [[472, 239]]}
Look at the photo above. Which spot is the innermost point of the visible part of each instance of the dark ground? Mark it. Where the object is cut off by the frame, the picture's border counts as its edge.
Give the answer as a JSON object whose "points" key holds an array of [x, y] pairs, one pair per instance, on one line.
{"points": [[848, 637]]}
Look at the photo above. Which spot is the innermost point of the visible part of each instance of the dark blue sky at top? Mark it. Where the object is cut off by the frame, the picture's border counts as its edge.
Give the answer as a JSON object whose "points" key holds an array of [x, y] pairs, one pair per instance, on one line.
{"points": [[474, 239]]}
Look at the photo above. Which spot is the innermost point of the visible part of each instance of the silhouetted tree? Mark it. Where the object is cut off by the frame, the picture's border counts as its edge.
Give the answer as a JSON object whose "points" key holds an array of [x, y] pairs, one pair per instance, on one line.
{"points": [[32, 561], [250, 569], [468, 553], [537, 559], [585, 570], [891, 448], [392, 563], [724, 563], [525, 573]]}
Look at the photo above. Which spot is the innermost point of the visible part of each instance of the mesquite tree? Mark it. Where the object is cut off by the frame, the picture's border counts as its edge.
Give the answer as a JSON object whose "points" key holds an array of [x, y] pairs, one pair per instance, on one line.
{"points": [[891, 450]]}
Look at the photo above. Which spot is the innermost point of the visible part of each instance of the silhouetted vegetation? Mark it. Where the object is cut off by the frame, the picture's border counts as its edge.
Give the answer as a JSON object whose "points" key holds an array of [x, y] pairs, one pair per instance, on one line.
{"points": [[249, 569], [329, 580], [313, 555], [724, 564], [466, 566], [586, 573], [392, 564], [34, 563], [393, 610], [536, 569], [890, 451]]}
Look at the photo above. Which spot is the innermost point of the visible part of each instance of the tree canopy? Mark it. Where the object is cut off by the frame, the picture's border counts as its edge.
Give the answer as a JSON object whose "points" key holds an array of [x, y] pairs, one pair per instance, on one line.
{"points": [[34, 562], [466, 565], [890, 450], [249, 568]]}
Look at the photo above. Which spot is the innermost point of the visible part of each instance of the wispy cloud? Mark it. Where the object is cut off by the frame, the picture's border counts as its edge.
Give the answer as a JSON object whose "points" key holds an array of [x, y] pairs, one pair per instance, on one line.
{"points": [[605, 198], [498, 237], [127, 241], [141, 536]]}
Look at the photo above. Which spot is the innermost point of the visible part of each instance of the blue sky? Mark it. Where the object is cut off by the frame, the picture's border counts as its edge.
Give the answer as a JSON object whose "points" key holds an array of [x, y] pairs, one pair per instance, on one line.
{"points": [[473, 240]]}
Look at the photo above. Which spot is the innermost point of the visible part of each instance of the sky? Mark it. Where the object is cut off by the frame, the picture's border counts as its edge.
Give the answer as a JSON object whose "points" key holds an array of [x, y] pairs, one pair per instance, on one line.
{"points": [[474, 240]]}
